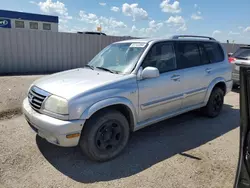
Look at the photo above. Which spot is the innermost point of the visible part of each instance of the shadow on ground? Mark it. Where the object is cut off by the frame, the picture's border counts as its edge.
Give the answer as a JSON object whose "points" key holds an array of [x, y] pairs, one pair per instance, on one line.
{"points": [[146, 147]]}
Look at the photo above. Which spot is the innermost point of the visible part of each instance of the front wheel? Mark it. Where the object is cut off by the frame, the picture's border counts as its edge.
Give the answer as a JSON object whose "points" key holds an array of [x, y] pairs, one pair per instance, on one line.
{"points": [[215, 103], [105, 135]]}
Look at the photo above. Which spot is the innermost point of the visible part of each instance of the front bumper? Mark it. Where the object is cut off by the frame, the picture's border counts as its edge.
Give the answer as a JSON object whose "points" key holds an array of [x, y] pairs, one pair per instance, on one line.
{"points": [[236, 78], [51, 129]]}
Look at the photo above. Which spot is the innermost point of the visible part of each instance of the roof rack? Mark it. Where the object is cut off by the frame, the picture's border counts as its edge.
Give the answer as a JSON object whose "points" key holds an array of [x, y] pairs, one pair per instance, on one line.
{"points": [[191, 36]]}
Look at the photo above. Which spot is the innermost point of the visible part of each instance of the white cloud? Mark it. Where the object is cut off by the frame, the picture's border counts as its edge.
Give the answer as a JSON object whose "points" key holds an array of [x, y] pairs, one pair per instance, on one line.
{"points": [[134, 11], [54, 8], [152, 28], [103, 21], [233, 33], [102, 4], [196, 16], [247, 29], [115, 9], [195, 6], [240, 27], [175, 20], [154, 25], [182, 28], [166, 6], [216, 32]]}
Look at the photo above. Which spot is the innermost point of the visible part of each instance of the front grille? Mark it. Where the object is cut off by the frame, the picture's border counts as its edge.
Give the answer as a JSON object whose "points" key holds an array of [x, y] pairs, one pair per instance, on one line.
{"points": [[36, 98]]}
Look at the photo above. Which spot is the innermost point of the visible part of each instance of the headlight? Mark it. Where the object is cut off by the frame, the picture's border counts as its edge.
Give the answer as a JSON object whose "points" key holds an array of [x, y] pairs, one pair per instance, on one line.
{"points": [[56, 104]]}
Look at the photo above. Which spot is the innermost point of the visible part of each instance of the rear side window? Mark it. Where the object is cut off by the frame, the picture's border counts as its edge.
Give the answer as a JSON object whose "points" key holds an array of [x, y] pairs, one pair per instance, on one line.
{"points": [[204, 56], [242, 53], [189, 55], [214, 51], [161, 56]]}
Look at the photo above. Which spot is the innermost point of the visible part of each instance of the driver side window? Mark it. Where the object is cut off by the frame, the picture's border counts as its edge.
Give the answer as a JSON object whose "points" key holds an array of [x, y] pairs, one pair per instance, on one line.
{"points": [[161, 56]]}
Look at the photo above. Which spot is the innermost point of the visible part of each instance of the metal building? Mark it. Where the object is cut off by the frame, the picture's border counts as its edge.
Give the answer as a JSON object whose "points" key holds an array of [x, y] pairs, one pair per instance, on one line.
{"points": [[30, 21]]}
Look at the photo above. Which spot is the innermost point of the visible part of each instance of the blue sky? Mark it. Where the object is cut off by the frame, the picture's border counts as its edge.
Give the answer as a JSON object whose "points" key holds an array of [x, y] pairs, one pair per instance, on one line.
{"points": [[222, 19]]}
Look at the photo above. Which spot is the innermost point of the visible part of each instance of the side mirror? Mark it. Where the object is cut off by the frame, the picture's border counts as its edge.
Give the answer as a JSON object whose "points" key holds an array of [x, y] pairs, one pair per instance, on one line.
{"points": [[150, 72]]}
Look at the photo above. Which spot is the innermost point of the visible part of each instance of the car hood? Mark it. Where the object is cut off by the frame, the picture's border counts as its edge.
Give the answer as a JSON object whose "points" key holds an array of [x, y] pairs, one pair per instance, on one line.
{"points": [[71, 83]]}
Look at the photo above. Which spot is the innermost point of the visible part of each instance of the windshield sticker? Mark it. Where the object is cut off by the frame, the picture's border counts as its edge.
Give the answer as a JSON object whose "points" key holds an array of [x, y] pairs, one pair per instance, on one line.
{"points": [[138, 45]]}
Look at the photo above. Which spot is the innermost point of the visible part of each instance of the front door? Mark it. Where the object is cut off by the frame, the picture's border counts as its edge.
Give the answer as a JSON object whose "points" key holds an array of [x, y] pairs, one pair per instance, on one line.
{"points": [[162, 95]]}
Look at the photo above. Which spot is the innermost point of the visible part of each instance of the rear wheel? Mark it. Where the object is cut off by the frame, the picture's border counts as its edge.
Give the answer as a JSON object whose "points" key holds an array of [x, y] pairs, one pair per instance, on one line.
{"points": [[236, 85], [215, 103], [105, 135]]}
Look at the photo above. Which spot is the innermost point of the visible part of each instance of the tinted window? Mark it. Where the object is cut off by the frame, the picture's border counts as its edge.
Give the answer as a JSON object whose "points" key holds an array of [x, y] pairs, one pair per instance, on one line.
{"points": [[33, 25], [19, 24], [242, 53], [46, 26], [189, 55], [161, 56], [204, 55], [214, 51]]}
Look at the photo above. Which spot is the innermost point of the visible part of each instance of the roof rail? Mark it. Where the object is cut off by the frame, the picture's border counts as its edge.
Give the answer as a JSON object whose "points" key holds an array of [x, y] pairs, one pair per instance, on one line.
{"points": [[191, 36]]}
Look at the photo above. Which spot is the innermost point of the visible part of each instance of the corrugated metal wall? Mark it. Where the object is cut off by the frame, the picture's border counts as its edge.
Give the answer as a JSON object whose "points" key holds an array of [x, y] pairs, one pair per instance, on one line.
{"points": [[44, 52], [23, 52], [231, 48]]}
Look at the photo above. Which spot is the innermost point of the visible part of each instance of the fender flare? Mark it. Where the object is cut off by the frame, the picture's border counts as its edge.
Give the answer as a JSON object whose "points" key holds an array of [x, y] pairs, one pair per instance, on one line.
{"points": [[211, 87], [88, 112]]}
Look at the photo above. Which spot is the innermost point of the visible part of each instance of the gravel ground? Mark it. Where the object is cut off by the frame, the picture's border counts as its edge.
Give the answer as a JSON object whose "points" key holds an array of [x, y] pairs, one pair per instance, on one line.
{"points": [[186, 151], [13, 91]]}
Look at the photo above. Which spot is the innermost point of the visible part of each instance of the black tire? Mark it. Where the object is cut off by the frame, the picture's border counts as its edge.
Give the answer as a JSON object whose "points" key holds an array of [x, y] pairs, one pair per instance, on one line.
{"points": [[215, 103], [105, 135], [236, 86]]}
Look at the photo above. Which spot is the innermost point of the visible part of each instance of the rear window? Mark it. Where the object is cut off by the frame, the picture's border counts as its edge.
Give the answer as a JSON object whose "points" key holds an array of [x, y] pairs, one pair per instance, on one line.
{"points": [[242, 53], [214, 51], [189, 55]]}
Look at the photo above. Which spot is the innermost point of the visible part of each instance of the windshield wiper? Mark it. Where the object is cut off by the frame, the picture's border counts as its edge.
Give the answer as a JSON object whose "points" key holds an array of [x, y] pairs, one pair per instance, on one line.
{"points": [[108, 70], [90, 66]]}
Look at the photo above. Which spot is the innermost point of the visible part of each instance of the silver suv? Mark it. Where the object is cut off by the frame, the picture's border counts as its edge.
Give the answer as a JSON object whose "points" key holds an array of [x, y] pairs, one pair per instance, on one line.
{"points": [[241, 56], [129, 85]]}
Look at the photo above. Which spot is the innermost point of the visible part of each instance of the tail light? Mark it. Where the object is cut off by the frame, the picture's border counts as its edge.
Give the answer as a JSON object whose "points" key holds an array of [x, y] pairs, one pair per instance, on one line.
{"points": [[231, 59]]}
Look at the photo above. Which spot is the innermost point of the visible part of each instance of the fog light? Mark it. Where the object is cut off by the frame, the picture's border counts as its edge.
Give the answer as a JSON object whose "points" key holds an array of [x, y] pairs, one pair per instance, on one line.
{"points": [[73, 135]]}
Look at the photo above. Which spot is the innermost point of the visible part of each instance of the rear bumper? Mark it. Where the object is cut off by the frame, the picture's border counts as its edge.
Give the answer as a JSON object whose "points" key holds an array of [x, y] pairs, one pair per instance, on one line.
{"points": [[236, 78], [51, 129]]}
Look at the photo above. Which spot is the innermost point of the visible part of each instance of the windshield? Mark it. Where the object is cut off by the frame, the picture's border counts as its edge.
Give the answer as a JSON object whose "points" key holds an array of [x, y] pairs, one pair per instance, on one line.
{"points": [[119, 57]]}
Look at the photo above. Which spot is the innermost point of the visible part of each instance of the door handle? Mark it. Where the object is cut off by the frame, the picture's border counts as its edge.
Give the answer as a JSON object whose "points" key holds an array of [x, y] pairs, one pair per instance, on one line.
{"points": [[208, 70], [175, 77]]}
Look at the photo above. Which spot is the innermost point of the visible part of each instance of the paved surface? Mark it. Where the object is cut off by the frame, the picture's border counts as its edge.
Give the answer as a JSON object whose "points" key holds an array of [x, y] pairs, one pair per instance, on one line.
{"points": [[187, 151]]}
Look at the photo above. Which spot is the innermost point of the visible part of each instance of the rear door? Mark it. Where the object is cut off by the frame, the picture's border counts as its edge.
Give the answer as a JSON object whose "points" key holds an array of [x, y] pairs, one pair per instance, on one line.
{"points": [[197, 72]]}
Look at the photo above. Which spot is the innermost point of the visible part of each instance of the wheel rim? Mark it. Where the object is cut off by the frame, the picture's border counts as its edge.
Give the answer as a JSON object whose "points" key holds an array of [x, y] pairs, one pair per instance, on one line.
{"points": [[109, 136], [217, 102]]}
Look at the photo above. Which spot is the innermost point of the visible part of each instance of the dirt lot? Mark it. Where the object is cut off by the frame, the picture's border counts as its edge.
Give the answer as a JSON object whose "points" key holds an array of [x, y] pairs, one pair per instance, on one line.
{"points": [[187, 151], [13, 91]]}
